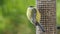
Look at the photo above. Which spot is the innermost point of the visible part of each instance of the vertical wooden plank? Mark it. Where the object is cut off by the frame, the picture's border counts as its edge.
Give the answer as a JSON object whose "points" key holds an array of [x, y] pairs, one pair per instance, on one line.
{"points": [[48, 12]]}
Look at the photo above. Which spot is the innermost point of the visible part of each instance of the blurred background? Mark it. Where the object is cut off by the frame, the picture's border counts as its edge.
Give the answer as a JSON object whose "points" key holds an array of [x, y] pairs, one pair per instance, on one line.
{"points": [[13, 18]]}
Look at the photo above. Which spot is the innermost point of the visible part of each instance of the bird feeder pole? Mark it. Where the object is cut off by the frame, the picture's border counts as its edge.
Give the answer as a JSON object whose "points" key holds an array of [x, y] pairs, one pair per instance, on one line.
{"points": [[47, 9]]}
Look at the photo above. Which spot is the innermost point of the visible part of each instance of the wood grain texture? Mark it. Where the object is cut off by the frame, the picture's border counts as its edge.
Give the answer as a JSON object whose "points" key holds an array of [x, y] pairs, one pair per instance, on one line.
{"points": [[48, 18]]}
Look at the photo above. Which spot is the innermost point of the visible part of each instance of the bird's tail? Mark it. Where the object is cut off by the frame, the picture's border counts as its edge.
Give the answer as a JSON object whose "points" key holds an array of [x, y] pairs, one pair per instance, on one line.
{"points": [[40, 27]]}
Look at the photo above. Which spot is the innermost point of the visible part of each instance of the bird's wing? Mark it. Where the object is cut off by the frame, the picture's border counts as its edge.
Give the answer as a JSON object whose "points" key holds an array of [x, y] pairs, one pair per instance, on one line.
{"points": [[31, 14], [34, 15]]}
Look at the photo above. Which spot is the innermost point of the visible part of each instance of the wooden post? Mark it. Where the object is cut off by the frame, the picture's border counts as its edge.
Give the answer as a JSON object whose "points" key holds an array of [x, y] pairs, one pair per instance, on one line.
{"points": [[48, 18]]}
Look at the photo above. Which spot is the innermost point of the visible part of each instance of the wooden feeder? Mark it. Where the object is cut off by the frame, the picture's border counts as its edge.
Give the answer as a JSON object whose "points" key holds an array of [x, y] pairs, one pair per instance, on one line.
{"points": [[48, 18]]}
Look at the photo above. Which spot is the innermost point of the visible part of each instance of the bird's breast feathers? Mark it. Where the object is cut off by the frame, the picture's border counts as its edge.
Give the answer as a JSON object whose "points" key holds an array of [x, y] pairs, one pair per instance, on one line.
{"points": [[29, 14]]}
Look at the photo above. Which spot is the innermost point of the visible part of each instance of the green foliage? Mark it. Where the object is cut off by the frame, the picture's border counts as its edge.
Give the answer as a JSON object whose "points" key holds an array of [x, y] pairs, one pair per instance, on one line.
{"points": [[13, 18], [1, 2], [58, 12]]}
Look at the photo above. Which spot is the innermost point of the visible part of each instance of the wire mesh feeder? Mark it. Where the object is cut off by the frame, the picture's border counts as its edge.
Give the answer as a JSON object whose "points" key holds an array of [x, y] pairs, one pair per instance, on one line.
{"points": [[48, 18]]}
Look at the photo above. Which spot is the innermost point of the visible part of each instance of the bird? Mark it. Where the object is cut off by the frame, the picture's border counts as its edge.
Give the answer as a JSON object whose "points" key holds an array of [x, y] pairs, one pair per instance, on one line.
{"points": [[34, 16]]}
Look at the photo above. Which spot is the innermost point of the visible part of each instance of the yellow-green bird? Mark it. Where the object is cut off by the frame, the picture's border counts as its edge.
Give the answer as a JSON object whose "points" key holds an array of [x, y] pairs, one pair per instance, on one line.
{"points": [[34, 16]]}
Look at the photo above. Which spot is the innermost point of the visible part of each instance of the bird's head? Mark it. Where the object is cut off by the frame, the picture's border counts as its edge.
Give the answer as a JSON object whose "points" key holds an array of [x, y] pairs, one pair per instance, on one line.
{"points": [[31, 6]]}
